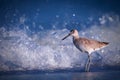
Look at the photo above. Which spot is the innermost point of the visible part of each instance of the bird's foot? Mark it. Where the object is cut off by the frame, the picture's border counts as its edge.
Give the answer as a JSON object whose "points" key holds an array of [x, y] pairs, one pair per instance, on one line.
{"points": [[86, 70]]}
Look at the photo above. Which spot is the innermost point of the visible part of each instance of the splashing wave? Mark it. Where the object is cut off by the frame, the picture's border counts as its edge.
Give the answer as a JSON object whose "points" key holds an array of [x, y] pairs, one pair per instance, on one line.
{"points": [[45, 50]]}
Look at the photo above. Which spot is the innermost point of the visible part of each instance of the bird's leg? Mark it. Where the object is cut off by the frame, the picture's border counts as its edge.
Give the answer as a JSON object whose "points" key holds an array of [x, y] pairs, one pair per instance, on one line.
{"points": [[87, 66], [88, 63]]}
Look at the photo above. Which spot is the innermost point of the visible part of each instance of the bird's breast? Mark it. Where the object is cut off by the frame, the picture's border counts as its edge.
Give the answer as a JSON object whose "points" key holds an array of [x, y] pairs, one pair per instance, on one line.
{"points": [[79, 45]]}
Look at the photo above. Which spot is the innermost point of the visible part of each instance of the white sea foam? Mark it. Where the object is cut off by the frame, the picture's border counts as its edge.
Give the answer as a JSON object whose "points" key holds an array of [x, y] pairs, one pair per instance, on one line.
{"points": [[46, 50]]}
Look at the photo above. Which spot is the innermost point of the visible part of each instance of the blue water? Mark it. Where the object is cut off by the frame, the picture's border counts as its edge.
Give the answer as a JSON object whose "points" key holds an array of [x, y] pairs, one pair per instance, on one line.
{"points": [[107, 75], [31, 33]]}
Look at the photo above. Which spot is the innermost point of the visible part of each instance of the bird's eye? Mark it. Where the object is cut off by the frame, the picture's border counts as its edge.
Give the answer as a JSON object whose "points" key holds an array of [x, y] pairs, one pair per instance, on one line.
{"points": [[72, 31]]}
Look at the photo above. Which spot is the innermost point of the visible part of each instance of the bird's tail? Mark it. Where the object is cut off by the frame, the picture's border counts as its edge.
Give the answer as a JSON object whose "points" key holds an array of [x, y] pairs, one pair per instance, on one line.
{"points": [[105, 43]]}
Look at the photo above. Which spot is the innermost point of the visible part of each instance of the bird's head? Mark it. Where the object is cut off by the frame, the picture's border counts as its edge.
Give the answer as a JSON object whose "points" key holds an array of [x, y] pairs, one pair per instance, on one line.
{"points": [[73, 33]]}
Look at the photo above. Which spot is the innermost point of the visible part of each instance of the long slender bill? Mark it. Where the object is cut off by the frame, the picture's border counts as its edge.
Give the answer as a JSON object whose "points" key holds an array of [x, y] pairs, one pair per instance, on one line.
{"points": [[66, 36]]}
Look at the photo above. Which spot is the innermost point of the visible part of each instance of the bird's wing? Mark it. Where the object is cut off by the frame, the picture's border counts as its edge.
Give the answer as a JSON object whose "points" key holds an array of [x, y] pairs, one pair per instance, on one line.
{"points": [[92, 45]]}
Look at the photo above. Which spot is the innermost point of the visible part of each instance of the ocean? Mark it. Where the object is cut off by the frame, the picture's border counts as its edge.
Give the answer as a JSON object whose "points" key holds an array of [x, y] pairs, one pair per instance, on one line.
{"points": [[102, 75], [30, 39]]}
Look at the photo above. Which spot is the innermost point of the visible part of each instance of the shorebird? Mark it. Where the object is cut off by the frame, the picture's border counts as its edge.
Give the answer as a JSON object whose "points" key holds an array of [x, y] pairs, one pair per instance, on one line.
{"points": [[86, 45]]}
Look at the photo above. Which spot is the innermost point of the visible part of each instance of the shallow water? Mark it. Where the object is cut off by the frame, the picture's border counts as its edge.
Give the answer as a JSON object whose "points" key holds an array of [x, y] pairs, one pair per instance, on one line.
{"points": [[108, 75]]}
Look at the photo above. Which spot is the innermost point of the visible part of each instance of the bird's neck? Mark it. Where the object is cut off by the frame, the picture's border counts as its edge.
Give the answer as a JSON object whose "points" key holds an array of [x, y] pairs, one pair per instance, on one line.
{"points": [[76, 37]]}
